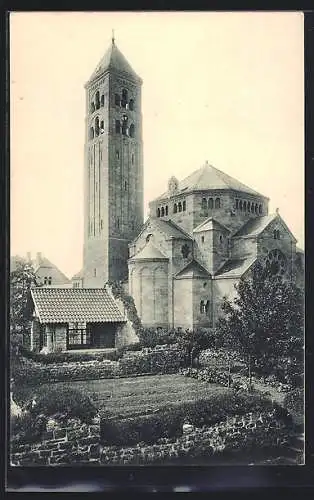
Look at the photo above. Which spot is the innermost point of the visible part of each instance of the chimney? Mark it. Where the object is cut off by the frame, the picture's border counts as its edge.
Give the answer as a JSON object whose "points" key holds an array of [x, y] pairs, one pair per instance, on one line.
{"points": [[38, 258]]}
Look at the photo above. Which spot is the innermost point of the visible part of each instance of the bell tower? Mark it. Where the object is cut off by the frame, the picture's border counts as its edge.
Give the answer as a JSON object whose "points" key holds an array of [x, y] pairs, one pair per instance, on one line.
{"points": [[113, 169]]}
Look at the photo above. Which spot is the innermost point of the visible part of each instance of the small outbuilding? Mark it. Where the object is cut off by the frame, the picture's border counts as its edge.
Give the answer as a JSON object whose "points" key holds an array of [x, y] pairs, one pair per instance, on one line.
{"points": [[75, 318]]}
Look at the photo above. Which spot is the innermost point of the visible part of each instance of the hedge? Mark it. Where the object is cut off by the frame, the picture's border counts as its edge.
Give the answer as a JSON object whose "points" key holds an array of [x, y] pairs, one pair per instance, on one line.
{"points": [[168, 422]]}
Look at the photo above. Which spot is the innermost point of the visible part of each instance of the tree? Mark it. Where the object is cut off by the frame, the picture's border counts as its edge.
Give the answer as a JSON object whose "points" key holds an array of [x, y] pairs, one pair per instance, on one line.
{"points": [[265, 320], [22, 279]]}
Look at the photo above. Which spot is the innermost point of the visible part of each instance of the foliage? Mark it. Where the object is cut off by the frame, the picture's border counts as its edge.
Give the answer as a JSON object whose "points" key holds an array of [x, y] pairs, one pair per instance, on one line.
{"points": [[128, 302], [264, 322], [22, 279], [168, 422], [294, 401], [27, 428], [70, 357], [69, 402], [153, 361]]}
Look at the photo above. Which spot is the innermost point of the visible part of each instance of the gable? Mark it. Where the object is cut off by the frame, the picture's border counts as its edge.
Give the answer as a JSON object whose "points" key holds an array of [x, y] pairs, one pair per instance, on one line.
{"points": [[262, 226]]}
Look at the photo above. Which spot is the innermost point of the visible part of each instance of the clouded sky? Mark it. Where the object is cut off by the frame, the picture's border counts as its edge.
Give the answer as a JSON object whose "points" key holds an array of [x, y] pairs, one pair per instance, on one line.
{"points": [[222, 87]]}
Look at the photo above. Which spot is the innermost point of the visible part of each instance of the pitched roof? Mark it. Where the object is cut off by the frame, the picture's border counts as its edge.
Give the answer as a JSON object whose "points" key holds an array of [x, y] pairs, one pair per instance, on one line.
{"points": [[149, 252], [193, 270], [78, 275], [256, 226], [209, 177], [115, 61], [170, 229], [48, 267], [210, 224], [64, 305], [234, 268]]}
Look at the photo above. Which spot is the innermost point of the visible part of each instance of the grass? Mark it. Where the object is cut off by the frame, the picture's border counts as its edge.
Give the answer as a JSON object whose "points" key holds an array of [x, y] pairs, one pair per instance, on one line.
{"points": [[135, 396]]}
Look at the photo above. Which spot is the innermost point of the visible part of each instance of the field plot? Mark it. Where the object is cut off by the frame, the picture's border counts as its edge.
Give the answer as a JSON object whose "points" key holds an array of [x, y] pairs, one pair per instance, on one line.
{"points": [[139, 395]]}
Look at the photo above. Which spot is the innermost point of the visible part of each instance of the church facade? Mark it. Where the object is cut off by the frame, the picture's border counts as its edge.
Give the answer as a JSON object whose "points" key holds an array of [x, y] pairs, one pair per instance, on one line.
{"points": [[202, 235]]}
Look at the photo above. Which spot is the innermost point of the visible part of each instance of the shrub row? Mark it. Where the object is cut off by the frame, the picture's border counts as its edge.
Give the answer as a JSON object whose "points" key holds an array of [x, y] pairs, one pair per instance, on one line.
{"points": [[168, 422]]}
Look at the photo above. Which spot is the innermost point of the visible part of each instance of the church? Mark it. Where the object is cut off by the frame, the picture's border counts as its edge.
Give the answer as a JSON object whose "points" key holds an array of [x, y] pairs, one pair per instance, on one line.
{"points": [[202, 235]]}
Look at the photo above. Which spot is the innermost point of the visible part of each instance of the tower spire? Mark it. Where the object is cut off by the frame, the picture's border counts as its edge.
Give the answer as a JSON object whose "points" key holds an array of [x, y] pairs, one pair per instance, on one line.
{"points": [[112, 37]]}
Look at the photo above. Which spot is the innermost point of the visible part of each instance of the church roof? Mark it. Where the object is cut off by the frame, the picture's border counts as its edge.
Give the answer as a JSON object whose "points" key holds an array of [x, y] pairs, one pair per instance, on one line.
{"points": [[254, 227], [193, 270], [114, 60], [65, 305], [235, 268], [170, 229], [209, 177], [209, 225], [149, 252]]}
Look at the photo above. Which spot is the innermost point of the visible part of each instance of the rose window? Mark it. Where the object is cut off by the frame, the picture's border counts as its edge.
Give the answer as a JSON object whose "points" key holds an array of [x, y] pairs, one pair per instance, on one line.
{"points": [[276, 262]]}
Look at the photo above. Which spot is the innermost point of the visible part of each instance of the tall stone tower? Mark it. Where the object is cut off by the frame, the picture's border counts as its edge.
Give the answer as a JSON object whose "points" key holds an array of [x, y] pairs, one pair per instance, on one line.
{"points": [[113, 170]]}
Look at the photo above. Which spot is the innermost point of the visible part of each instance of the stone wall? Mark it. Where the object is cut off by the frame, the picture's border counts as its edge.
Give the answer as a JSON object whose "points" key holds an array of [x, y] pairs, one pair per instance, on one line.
{"points": [[77, 443]]}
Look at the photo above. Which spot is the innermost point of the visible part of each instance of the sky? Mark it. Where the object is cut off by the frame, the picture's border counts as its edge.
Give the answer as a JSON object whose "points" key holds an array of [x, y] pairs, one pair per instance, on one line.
{"points": [[223, 87]]}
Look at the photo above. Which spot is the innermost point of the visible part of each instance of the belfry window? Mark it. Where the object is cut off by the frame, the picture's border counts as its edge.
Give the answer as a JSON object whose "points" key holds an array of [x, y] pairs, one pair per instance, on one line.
{"points": [[184, 206], [102, 101], [166, 210], [202, 307], [131, 105], [97, 126], [175, 208], [132, 130], [124, 99], [118, 127], [124, 125], [217, 203], [97, 100], [117, 99], [117, 154], [207, 307]]}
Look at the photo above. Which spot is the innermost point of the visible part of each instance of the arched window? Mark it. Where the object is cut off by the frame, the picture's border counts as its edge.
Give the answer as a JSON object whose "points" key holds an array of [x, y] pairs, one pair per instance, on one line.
{"points": [[102, 101], [117, 154], [244, 206], [97, 100], [132, 130], [240, 205], [97, 126], [184, 205], [124, 125], [148, 237], [180, 206], [252, 208], [210, 203], [220, 239], [217, 203], [92, 107], [102, 127], [166, 210], [203, 239], [207, 307], [91, 133], [202, 307], [124, 99], [131, 105], [237, 204], [248, 206], [256, 208], [162, 211], [118, 127], [158, 212], [175, 208], [260, 209], [276, 234], [204, 204], [117, 99]]}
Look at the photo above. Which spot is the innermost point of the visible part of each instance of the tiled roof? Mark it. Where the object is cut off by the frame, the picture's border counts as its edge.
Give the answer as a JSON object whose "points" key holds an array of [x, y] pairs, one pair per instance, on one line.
{"points": [[170, 229], [149, 252], [114, 60], [210, 224], [209, 177], [63, 305], [254, 227], [193, 270], [234, 268]]}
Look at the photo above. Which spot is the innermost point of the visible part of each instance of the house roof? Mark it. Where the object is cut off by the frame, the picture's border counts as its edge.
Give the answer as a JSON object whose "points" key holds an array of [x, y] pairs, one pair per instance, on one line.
{"points": [[234, 268], [149, 252], [64, 305], [254, 227], [47, 267], [209, 177], [115, 61], [210, 224], [193, 270]]}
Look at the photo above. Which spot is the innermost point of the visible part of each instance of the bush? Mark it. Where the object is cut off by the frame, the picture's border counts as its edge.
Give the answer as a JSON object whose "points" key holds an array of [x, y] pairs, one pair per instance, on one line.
{"points": [[27, 428], [68, 356], [69, 402], [294, 401], [157, 360], [168, 422]]}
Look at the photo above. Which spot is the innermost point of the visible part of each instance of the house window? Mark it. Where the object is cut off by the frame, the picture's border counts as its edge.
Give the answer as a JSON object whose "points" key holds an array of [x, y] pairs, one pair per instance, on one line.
{"points": [[217, 203], [184, 206], [175, 208], [47, 280], [276, 234], [78, 337]]}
